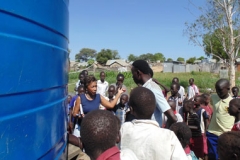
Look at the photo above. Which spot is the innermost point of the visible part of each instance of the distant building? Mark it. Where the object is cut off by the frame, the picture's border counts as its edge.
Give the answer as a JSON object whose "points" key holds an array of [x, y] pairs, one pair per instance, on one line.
{"points": [[197, 61], [83, 64], [73, 65], [116, 63]]}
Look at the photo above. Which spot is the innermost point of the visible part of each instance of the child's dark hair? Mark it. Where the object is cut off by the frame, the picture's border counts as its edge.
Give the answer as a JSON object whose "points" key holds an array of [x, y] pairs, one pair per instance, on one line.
{"points": [[81, 86], [177, 85], [84, 72], [89, 79], [191, 79], [111, 86], [120, 75], [229, 144], [81, 73], [205, 96], [99, 131], [124, 95], [176, 79], [182, 132], [201, 99], [102, 72], [235, 102], [187, 102], [143, 102], [235, 88]]}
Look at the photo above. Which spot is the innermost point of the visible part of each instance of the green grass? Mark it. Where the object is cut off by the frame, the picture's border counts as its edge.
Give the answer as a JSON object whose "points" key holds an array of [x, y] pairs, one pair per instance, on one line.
{"points": [[203, 80]]}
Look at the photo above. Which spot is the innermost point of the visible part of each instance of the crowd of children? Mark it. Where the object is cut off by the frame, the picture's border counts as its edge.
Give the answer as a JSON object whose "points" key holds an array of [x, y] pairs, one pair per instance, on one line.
{"points": [[150, 124]]}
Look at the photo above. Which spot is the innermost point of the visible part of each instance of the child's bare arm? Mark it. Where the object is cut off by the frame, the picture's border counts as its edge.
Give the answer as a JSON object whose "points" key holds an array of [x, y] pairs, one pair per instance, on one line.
{"points": [[206, 120], [75, 141], [76, 107]]}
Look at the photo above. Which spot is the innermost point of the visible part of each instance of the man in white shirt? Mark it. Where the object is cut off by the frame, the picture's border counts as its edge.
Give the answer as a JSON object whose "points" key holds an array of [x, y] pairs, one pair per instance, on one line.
{"points": [[141, 75], [102, 85], [144, 136]]}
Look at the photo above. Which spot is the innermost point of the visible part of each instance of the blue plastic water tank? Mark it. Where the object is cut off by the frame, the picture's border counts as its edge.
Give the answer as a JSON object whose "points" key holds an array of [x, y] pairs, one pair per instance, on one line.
{"points": [[33, 78]]}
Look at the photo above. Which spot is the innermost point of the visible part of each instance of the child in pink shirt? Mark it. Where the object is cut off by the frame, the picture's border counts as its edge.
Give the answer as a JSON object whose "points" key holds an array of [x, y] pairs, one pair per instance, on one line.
{"points": [[206, 105]]}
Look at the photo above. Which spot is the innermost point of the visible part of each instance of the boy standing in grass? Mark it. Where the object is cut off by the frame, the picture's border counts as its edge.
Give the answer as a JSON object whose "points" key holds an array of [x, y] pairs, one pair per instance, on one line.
{"points": [[206, 105], [176, 96], [119, 83], [200, 151], [122, 108], [80, 81], [181, 90], [110, 97], [192, 119], [102, 85], [221, 120], [192, 89]]}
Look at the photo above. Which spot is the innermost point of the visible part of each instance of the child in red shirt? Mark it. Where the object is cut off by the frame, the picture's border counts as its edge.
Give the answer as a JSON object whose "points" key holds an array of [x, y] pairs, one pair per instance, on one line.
{"points": [[206, 105]]}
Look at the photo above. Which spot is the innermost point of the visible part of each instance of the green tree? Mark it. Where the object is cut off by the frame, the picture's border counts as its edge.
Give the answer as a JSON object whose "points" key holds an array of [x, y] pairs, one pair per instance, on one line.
{"points": [[200, 58], [115, 54], [159, 57], [169, 59], [212, 44], [90, 62], [132, 57], [219, 24], [106, 54], [180, 59], [147, 57], [85, 54], [191, 60]]}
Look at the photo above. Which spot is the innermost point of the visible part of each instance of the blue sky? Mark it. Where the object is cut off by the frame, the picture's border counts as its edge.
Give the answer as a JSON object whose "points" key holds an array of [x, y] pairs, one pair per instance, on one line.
{"points": [[132, 27]]}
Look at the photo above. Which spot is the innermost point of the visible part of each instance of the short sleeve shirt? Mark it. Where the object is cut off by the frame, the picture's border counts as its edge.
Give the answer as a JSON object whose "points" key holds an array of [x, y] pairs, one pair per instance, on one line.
{"points": [[192, 91], [161, 103], [221, 120], [102, 87], [182, 92]]}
